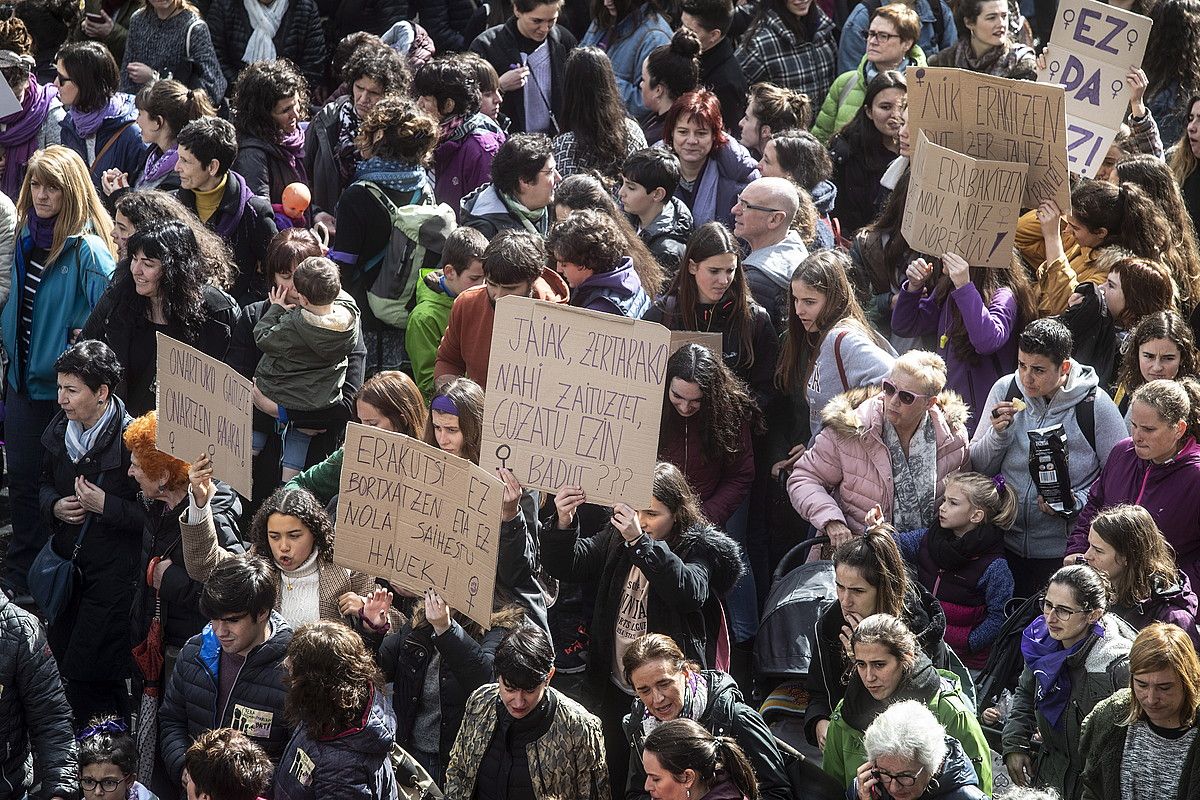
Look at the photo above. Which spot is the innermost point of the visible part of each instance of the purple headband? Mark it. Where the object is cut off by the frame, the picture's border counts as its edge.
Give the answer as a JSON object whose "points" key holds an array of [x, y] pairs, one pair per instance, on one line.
{"points": [[444, 404]]}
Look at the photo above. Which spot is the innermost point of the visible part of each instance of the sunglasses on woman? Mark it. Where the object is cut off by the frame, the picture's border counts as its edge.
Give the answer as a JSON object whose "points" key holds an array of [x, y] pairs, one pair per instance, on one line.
{"points": [[906, 397]]}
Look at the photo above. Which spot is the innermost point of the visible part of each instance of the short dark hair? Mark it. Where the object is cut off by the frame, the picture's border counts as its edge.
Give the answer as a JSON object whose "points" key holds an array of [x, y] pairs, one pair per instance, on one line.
{"points": [[1047, 337], [211, 139], [226, 765], [93, 70], [520, 158], [524, 658], [653, 168], [93, 362], [318, 279], [241, 585], [525, 6], [588, 238], [514, 257], [448, 78], [714, 15], [462, 247]]}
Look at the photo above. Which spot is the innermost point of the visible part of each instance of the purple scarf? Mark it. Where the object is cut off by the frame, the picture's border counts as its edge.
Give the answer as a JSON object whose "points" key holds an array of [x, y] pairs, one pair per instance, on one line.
{"points": [[1047, 660], [292, 146], [41, 231], [20, 135], [88, 122], [158, 166]]}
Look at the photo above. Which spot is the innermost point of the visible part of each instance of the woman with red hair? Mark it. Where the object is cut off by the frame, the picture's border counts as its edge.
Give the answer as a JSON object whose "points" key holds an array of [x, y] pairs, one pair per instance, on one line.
{"points": [[713, 168]]}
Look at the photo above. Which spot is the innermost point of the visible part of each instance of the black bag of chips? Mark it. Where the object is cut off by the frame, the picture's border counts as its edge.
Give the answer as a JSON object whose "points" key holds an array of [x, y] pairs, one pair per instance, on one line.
{"points": [[1048, 468]]}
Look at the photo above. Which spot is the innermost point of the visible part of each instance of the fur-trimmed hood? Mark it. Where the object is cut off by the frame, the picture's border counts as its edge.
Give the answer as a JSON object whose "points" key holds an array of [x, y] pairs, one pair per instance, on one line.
{"points": [[723, 555], [858, 411]]}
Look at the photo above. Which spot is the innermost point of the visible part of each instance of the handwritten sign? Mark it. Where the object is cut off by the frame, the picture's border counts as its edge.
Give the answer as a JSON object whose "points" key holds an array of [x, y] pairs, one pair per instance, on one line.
{"points": [[203, 406], [419, 518], [962, 205], [575, 399], [995, 119], [713, 340], [1092, 47]]}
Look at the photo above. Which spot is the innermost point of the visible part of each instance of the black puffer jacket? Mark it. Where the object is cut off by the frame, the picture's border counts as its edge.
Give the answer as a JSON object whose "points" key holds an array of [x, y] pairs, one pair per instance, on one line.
{"points": [[34, 714], [452, 24], [924, 617], [264, 167], [300, 38], [90, 638], [180, 595], [685, 587], [725, 715], [668, 235], [119, 320], [190, 705]]}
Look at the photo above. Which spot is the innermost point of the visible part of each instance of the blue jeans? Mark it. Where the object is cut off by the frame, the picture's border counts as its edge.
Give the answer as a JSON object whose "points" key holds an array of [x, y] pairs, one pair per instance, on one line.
{"points": [[742, 600], [25, 421]]}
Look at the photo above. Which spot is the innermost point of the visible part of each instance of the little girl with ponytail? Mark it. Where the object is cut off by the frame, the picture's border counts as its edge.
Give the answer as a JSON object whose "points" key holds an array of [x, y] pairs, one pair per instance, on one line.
{"points": [[109, 762], [960, 560]]}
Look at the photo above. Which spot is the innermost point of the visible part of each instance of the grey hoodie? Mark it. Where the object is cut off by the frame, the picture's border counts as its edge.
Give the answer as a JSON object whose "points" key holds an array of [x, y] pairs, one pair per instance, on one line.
{"points": [[1036, 534], [769, 274], [866, 359]]}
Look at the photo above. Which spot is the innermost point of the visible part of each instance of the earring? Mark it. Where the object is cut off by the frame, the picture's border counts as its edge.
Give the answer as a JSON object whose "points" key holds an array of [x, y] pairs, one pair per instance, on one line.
{"points": [[689, 793]]}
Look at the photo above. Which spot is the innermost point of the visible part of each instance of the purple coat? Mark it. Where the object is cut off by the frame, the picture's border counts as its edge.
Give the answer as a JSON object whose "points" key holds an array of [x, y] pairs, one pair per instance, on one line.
{"points": [[990, 329], [1168, 491], [463, 165]]}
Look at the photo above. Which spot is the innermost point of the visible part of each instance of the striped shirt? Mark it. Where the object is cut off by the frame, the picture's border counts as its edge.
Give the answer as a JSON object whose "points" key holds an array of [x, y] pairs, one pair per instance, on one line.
{"points": [[34, 267]]}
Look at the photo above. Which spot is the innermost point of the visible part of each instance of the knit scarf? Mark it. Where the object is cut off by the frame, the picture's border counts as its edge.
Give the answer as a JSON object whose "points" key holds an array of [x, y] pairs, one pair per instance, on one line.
{"points": [[20, 135], [80, 442], [41, 231], [460, 126], [530, 219], [265, 20], [292, 146], [695, 701], [119, 106], [952, 552], [389, 173], [158, 165], [1047, 660], [998, 60]]}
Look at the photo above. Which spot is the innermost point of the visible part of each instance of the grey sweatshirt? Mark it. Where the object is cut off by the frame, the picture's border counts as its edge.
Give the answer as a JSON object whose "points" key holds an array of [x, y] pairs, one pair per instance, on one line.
{"points": [[865, 360]]}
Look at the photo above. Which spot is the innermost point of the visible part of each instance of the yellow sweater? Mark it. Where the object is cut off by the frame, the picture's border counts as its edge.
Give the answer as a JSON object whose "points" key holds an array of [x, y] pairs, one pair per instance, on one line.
{"points": [[1055, 280]]}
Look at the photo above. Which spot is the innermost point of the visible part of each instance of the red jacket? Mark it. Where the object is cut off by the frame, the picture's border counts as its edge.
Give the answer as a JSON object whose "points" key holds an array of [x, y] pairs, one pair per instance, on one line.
{"points": [[467, 344]]}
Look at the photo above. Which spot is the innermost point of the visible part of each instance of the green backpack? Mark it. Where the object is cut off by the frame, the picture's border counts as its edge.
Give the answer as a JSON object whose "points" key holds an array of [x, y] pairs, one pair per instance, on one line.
{"points": [[419, 231]]}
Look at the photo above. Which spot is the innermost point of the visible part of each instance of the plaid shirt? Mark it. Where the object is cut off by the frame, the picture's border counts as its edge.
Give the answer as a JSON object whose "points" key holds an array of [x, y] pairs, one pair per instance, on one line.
{"points": [[1144, 137], [569, 159], [775, 54]]}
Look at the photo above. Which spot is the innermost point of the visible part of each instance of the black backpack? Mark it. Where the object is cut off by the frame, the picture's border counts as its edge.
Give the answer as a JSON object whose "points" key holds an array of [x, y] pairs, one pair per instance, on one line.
{"points": [[1085, 411]]}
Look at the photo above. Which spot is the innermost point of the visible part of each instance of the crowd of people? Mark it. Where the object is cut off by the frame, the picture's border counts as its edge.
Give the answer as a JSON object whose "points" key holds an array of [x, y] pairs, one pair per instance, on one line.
{"points": [[331, 196]]}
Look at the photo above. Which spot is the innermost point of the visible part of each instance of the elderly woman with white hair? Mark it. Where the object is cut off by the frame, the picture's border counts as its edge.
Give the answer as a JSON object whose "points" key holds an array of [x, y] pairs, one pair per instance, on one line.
{"points": [[909, 756]]}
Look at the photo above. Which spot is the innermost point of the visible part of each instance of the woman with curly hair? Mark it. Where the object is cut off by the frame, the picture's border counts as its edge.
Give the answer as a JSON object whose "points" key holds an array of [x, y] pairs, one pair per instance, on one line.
{"points": [[269, 101], [863, 149], [296, 531], [396, 141], [1184, 156], [166, 290], [1162, 346], [144, 208], [628, 30], [330, 155], [798, 156], [344, 724], [1172, 65], [595, 133]]}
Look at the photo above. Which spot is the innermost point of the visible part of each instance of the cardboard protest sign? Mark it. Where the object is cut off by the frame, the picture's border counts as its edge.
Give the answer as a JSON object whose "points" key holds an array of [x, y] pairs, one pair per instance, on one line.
{"points": [[419, 518], [204, 406], [962, 205], [575, 399], [713, 340], [996, 119], [1092, 47]]}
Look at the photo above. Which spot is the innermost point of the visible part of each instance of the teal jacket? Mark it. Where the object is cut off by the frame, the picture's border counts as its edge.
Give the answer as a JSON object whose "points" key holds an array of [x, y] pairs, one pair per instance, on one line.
{"points": [[847, 93], [70, 288]]}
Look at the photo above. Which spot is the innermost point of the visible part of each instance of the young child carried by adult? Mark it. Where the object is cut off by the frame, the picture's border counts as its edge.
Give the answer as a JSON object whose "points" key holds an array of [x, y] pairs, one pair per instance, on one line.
{"points": [[960, 560], [306, 335]]}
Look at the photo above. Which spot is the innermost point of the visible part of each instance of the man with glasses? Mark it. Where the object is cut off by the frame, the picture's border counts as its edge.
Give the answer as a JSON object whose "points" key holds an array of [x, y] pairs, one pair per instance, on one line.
{"points": [[762, 217], [231, 674], [890, 448]]}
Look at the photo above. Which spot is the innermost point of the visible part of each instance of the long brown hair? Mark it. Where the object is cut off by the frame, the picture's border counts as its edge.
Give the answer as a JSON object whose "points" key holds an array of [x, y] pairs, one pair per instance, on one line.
{"points": [[877, 558], [672, 489], [1149, 559], [1181, 159], [1157, 179], [1159, 325], [330, 678], [398, 399], [826, 271], [467, 397]]}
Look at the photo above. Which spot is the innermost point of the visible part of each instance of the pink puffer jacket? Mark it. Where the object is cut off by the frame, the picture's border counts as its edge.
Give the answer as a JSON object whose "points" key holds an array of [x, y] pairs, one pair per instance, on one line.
{"points": [[848, 469]]}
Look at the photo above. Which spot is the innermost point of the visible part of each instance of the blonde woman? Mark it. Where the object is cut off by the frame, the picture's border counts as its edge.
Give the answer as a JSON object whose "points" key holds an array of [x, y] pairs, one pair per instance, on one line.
{"points": [[61, 265]]}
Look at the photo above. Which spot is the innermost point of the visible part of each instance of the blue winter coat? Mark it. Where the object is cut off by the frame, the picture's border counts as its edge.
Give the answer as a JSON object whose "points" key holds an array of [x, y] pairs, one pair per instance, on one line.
{"points": [[617, 292], [70, 288], [128, 152], [628, 43], [729, 169], [351, 765]]}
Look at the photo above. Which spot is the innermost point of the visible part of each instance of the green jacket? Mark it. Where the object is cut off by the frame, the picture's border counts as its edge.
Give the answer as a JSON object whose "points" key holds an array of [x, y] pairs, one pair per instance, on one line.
{"points": [[847, 94], [305, 356], [323, 480], [844, 751], [426, 324]]}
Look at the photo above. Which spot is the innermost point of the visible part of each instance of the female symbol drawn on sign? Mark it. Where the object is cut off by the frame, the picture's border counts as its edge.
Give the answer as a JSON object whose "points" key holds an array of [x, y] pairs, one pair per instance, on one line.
{"points": [[502, 453], [472, 590], [171, 440]]}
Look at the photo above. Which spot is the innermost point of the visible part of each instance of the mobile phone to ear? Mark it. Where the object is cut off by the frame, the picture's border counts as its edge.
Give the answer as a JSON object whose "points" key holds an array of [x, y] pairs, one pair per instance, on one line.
{"points": [[91, 16]]}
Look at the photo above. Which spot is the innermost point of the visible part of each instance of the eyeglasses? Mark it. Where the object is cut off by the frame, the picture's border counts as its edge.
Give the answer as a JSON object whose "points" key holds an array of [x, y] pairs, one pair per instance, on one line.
{"points": [[882, 36], [1060, 613], [106, 785], [906, 397], [902, 779], [743, 205], [60, 79]]}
